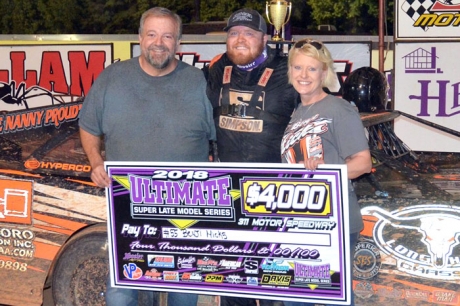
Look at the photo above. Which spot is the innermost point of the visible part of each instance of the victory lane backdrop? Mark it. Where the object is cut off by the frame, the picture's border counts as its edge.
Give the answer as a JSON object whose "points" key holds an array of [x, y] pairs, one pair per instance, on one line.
{"points": [[273, 231]]}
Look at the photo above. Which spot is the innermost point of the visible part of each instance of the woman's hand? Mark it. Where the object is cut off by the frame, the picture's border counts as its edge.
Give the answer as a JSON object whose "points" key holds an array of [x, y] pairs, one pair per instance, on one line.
{"points": [[312, 163]]}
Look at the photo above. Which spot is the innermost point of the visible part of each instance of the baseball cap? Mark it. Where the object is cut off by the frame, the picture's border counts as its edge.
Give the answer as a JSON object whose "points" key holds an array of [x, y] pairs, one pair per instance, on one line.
{"points": [[249, 18]]}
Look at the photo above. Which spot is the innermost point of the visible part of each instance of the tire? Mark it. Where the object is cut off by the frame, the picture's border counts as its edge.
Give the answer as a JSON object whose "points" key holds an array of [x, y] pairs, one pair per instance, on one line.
{"points": [[81, 271]]}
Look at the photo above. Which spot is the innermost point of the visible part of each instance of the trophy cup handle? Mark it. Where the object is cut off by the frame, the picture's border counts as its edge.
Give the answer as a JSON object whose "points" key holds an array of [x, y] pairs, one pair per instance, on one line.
{"points": [[267, 12], [289, 9]]}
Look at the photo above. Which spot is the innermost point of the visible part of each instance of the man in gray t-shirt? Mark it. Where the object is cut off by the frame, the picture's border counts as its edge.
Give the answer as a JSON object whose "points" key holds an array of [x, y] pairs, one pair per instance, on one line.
{"points": [[149, 108]]}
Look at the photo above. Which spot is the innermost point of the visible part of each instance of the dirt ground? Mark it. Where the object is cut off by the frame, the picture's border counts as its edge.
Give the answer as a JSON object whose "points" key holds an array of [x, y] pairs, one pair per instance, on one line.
{"points": [[428, 175]]}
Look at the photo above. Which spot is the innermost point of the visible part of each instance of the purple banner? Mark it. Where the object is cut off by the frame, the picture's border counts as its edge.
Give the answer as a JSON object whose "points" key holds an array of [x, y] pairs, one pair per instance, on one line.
{"points": [[260, 230]]}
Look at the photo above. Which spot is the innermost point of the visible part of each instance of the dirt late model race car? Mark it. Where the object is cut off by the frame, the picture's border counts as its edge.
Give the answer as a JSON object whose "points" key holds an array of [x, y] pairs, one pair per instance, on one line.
{"points": [[53, 229]]}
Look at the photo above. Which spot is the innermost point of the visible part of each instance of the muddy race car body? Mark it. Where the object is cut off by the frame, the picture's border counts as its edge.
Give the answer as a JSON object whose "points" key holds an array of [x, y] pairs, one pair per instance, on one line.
{"points": [[408, 251], [53, 222], [46, 197]]}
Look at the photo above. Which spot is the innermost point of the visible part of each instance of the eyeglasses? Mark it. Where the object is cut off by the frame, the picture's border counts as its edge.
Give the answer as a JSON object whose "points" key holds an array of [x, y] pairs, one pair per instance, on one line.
{"points": [[314, 43]]}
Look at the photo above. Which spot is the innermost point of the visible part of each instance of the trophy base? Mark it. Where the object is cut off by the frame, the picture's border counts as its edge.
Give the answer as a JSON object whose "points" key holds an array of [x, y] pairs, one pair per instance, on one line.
{"points": [[277, 38]]}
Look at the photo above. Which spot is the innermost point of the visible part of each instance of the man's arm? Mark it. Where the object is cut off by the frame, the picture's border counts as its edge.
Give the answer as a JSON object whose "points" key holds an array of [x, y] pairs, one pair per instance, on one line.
{"points": [[92, 147], [358, 164]]}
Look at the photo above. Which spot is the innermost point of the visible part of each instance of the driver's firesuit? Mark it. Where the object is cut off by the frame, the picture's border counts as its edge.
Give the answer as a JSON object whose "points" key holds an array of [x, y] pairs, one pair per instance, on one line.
{"points": [[250, 126]]}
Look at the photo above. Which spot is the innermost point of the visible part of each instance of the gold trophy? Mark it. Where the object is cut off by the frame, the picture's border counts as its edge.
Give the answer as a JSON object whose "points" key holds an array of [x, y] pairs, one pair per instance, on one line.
{"points": [[280, 12]]}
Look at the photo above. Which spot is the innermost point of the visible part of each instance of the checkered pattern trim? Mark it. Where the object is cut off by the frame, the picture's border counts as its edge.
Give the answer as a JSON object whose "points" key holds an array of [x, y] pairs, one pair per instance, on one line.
{"points": [[415, 8]]}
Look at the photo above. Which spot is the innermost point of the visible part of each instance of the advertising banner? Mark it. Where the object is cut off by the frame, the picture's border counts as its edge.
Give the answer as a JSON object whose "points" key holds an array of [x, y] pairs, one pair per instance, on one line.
{"points": [[42, 75], [259, 230], [37, 74], [427, 19], [426, 86]]}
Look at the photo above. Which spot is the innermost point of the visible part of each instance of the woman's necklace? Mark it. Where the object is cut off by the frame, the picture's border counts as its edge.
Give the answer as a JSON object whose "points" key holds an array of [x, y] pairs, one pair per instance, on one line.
{"points": [[308, 109], [311, 104]]}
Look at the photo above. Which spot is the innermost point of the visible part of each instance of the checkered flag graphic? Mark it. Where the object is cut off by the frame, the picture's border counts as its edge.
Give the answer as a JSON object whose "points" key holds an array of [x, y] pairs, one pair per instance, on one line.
{"points": [[415, 8]]}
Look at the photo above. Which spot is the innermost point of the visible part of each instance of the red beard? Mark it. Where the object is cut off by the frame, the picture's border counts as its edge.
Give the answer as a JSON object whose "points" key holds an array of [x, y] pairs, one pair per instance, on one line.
{"points": [[243, 59]]}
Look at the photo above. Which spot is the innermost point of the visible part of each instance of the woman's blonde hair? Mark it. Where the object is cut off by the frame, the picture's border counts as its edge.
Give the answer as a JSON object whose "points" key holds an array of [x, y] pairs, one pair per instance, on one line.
{"points": [[318, 51]]}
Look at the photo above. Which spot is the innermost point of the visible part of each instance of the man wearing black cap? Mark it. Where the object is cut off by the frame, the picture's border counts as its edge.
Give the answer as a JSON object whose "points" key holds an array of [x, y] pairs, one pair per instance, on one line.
{"points": [[249, 91], [252, 100]]}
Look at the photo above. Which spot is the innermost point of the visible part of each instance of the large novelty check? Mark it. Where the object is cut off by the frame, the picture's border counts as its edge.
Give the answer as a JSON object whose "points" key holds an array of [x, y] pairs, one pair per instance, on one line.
{"points": [[272, 231]]}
